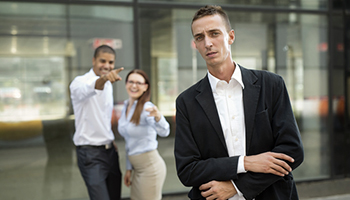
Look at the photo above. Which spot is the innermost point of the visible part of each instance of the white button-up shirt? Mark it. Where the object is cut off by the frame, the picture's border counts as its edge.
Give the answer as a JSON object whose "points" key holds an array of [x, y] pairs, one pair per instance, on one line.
{"points": [[93, 110], [141, 138], [229, 103]]}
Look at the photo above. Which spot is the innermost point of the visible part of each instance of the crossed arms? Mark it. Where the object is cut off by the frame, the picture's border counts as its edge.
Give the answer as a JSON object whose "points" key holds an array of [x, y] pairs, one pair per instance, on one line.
{"points": [[202, 160]]}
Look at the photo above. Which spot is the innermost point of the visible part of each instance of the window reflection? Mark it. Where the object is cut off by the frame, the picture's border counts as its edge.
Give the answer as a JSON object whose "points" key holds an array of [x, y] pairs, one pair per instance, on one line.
{"points": [[43, 47], [305, 4], [32, 88]]}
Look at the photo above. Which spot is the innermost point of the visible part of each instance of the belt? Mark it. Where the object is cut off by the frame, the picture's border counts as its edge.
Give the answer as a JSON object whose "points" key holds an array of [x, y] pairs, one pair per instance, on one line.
{"points": [[106, 146]]}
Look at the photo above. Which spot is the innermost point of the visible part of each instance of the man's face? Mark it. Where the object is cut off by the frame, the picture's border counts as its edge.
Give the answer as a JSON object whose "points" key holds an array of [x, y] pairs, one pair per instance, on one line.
{"points": [[103, 63], [212, 39]]}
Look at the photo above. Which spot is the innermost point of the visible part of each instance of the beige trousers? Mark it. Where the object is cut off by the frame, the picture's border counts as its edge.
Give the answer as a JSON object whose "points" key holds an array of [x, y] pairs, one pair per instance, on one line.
{"points": [[148, 176]]}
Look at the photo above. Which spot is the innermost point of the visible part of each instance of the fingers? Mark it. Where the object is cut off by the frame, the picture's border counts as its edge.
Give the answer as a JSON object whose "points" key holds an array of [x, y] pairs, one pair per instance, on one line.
{"points": [[282, 156], [113, 76], [278, 167], [279, 163], [208, 195], [269, 162], [205, 186], [127, 178], [283, 165], [218, 190], [149, 109], [152, 110], [119, 70], [205, 190], [278, 170], [126, 181]]}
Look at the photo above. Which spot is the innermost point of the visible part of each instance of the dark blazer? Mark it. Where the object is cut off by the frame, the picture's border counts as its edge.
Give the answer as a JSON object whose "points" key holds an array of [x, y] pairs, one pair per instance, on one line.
{"points": [[200, 149]]}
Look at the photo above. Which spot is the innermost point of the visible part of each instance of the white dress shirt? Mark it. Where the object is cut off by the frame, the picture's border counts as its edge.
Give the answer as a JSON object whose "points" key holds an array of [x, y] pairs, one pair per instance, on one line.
{"points": [[141, 138], [229, 103], [93, 110]]}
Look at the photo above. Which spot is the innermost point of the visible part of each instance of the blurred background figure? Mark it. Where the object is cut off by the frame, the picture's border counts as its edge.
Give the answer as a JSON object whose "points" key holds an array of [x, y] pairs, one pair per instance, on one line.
{"points": [[139, 124], [92, 99]]}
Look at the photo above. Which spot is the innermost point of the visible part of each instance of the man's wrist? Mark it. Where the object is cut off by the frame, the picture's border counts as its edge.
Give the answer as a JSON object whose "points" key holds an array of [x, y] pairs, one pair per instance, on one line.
{"points": [[104, 78]]}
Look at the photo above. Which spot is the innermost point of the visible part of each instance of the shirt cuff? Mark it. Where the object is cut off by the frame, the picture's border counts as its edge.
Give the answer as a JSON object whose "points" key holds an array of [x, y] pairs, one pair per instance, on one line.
{"points": [[93, 83], [239, 193], [128, 165], [162, 122], [240, 167]]}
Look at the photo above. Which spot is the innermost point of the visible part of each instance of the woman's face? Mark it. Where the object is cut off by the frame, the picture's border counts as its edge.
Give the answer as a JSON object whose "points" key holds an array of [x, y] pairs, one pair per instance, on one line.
{"points": [[135, 86]]}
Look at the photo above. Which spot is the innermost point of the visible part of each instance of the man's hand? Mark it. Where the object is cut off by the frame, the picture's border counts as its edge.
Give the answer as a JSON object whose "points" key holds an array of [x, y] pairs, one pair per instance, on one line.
{"points": [[112, 76], [269, 162], [219, 190]]}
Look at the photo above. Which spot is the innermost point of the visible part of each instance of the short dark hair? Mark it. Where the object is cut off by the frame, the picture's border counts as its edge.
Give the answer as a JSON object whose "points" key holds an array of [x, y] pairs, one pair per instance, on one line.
{"points": [[212, 10], [104, 49]]}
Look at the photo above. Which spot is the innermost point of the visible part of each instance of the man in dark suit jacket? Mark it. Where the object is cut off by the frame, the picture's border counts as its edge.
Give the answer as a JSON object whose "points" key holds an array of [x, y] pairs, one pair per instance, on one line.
{"points": [[206, 157]]}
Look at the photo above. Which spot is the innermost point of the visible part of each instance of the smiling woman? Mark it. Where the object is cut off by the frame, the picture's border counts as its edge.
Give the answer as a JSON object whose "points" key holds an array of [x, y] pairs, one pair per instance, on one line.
{"points": [[136, 86], [139, 124]]}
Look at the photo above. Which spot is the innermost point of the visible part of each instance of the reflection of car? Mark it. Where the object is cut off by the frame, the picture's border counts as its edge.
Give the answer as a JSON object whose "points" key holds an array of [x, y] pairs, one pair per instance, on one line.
{"points": [[8, 94]]}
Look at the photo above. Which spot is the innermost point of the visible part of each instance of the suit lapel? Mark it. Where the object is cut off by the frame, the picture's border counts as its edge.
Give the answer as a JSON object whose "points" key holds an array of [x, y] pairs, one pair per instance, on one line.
{"points": [[206, 100], [250, 101]]}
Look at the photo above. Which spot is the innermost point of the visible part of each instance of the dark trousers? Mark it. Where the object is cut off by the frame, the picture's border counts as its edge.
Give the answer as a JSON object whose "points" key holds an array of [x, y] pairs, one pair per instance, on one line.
{"points": [[100, 169]]}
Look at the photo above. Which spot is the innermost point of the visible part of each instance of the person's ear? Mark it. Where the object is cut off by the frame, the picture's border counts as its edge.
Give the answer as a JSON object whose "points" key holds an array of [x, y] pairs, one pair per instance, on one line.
{"points": [[231, 36], [145, 88], [193, 44]]}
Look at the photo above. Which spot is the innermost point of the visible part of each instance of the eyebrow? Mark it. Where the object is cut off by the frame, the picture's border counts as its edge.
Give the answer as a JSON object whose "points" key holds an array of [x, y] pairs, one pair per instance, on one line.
{"points": [[210, 31], [215, 29], [105, 60], [198, 34]]}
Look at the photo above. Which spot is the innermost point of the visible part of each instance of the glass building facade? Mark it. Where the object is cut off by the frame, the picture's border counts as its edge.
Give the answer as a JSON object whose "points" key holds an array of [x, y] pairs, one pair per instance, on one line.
{"points": [[45, 44]]}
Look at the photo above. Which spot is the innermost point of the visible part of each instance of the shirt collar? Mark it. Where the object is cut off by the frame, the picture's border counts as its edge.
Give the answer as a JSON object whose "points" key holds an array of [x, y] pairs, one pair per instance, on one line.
{"points": [[126, 102], [92, 72], [237, 75]]}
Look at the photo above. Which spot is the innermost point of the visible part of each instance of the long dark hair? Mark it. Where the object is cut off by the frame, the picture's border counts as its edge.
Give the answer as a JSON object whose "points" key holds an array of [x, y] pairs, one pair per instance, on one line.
{"points": [[143, 98]]}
